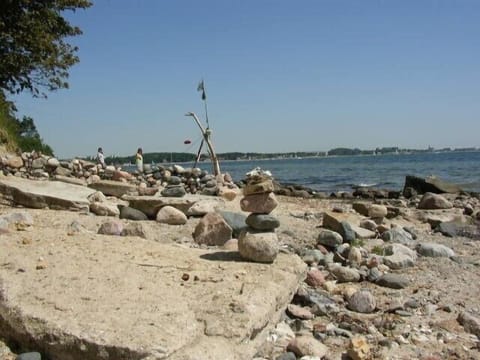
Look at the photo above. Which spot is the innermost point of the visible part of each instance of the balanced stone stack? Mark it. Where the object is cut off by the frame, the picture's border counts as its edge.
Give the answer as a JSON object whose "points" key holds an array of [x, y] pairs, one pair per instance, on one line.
{"points": [[259, 241]]}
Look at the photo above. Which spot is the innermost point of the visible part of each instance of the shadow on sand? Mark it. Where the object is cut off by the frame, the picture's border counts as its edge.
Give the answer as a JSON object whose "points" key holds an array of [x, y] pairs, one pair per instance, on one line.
{"points": [[224, 256]]}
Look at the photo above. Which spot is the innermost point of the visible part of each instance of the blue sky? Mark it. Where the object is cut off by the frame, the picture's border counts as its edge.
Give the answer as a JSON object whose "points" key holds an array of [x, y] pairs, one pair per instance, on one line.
{"points": [[280, 76]]}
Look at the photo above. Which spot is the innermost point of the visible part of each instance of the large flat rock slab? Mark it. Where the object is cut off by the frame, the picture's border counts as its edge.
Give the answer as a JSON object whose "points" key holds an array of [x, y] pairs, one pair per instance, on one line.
{"points": [[87, 296], [45, 194], [150, 205], [113, 188]]}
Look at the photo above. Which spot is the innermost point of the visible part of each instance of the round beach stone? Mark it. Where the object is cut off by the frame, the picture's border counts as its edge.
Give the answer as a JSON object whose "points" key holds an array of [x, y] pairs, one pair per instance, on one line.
{"points": [[393, 281], [431, 201], [127, 212], [259, 203], [307, 345], [171, 216], [329, 238], [345, 274], [258, 188], [315, 278], [377, 211], [362, 301], [262, 222], [258, 246], [174, 191]]}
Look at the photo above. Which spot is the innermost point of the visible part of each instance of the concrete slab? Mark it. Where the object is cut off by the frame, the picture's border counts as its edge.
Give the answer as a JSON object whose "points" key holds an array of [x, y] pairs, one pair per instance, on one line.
{"points": [[90, 296], [45, 194]]}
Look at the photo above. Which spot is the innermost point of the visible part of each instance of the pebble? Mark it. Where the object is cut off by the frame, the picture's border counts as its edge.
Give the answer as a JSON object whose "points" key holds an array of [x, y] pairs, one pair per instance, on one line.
{"points": [[362, 301], [345, 274], [393, 281], [315, 278], [329, 238], [299, 312]]}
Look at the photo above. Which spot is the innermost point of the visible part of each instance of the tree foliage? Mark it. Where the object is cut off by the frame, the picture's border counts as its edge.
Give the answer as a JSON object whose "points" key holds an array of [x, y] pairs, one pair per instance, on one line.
{"points": [[18, 134], [34, 55]]}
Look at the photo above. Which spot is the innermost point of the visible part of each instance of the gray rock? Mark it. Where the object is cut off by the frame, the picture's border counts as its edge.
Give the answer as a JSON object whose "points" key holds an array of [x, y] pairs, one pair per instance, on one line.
{"points": [[393, 281], [212, 229], [210, 191], [434, 250], [174, 180], [454, 229], [127, 212], [329, 238], [373, 274], [362, 301], [470, 323], [398, 261], [41, 194], [237, 221], [345, 274], [431, 201], [173, 191], [347, 232], [29, 356], [258, 246], [313, 256], [398, 235], [262, 222], [368, 224]]}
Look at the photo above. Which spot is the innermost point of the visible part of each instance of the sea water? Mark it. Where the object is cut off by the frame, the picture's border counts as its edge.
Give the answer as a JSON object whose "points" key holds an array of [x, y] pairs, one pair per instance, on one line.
{"points": [[338, 173]]}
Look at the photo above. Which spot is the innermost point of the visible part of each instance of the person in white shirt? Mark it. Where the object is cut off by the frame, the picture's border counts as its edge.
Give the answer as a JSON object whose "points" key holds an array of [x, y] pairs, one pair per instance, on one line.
{"points": [[100, 158]]}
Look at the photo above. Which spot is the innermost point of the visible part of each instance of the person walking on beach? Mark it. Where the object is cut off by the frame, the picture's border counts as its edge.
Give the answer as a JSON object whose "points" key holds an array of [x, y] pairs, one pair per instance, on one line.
{"points": [[100, 158], [139, 160]]}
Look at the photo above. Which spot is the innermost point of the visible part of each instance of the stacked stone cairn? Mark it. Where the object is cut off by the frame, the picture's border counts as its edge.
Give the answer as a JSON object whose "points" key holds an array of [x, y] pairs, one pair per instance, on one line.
{"points": [[259, 242]]}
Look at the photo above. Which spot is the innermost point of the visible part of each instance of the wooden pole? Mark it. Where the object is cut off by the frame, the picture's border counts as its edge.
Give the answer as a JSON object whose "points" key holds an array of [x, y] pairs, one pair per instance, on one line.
{"points": [[206, 136]]}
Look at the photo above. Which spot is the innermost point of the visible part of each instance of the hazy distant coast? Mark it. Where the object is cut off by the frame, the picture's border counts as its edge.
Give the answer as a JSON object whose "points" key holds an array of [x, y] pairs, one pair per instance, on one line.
{"points": [[179, 157]]}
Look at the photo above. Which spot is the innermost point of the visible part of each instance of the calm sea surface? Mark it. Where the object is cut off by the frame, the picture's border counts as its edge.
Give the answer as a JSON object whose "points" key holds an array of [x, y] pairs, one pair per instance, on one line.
{"points": [[382, 171]]}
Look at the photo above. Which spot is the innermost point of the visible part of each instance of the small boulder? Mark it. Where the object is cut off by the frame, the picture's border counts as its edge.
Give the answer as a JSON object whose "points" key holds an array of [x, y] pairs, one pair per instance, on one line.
{"points": [[263, 222], [212, 229], [258, 246], [393, 281], [129, 213], [173, 191], [171, 216], [329, 238], [307, 345], [434, 250], [259, 203], [431, 201], [362, 301]]}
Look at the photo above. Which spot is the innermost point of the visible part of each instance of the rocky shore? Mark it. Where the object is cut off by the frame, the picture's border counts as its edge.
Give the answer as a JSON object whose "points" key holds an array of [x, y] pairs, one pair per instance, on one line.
{"points": [[174, 263]]}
